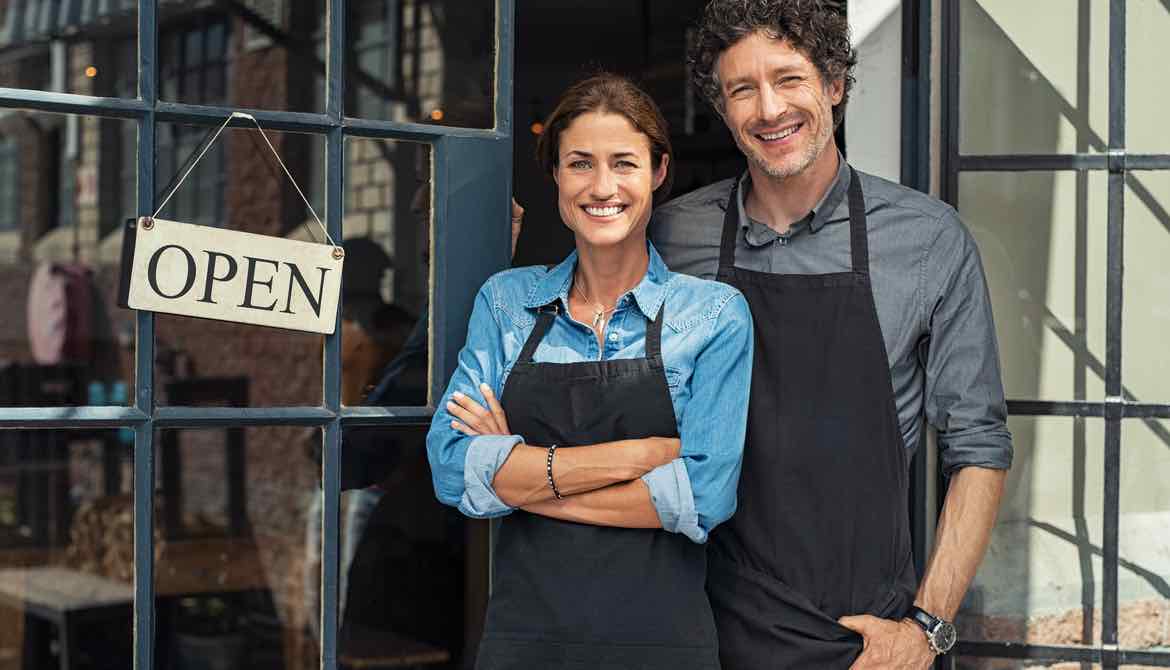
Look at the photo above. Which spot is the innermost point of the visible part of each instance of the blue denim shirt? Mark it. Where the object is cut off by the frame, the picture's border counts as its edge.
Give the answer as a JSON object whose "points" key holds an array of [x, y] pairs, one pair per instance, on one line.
{"points": [[707, 353]]}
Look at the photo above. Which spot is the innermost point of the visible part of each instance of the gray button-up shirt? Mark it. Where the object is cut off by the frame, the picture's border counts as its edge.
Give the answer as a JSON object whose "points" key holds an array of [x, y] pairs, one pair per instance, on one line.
{"points": [[932, 301]]}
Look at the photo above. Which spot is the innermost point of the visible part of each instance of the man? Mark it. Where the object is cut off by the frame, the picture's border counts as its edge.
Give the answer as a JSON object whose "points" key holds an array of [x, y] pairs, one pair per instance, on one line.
{"points": [[871, 310]]}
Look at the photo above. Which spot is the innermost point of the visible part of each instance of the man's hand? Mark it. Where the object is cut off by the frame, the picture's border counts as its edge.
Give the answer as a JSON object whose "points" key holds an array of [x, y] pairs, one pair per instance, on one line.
{"points": [[889, 645], [517, 223]]}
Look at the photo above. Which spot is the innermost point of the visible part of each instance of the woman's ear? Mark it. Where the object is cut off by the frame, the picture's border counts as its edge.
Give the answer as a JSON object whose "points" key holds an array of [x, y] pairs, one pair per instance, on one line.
{"points": [[660, 173]]}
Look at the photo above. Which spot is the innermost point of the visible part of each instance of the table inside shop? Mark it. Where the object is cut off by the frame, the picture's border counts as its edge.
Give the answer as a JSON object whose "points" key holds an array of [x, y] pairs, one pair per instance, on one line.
{"points": [[362, 649], [66, 598]]}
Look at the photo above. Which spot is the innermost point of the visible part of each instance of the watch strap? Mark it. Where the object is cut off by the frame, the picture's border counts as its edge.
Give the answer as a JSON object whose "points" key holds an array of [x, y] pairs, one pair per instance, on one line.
{"points": [[923, 618]]}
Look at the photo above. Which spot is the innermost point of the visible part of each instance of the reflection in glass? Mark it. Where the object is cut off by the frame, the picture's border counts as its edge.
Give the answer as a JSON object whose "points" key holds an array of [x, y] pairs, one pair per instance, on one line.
{"points": [[66, 549], [239, 185], [413, 571], [67, 183], [1146, 312], [231, 562], [89, 48], [1146, 95], [250, 54], [1041, 236], [1034, 91], [1041, 579], [425, 61], [1143, 579], [386, 281]]}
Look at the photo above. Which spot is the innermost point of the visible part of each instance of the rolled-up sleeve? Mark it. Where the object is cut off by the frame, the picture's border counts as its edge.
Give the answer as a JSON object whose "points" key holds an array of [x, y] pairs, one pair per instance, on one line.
{"points": [[964, 388], [697, 491], [463, 467]]}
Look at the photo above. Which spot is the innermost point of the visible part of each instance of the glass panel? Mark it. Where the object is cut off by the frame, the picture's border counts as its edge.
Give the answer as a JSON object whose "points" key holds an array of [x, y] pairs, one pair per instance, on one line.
{"points": [[1041, 579], [1025, 90], [89, 48], [414, 572], [1042, 239], [425, 61], [67, 184], [972, 663], [239, 185], [1146, 363], [238, 536], [66, 548], [1146, 94], [386, 284], [1143, 581], [254, 56]]}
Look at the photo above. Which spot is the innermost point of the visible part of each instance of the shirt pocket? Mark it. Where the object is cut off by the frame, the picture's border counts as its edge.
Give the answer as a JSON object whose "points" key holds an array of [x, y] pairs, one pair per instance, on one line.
{"points": [[674, 378]]}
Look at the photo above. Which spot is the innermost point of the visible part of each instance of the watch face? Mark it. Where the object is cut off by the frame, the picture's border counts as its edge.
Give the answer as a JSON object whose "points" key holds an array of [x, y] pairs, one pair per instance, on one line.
{"points": [[944, 637]]}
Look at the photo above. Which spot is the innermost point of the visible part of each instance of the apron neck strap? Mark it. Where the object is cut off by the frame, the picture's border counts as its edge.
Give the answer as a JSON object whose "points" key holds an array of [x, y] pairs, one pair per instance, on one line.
{"points": [[544, 321], [858, 238], [858, 235], [654, 334]]}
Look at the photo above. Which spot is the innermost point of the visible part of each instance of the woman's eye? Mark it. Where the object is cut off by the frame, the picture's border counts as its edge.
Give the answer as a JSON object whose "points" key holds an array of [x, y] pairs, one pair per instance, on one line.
{"points": [[627, 165], [579, 165]]}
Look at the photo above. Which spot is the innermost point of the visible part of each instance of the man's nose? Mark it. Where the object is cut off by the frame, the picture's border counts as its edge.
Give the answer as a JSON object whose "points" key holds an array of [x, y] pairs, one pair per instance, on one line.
{"points": [[771, 104]]}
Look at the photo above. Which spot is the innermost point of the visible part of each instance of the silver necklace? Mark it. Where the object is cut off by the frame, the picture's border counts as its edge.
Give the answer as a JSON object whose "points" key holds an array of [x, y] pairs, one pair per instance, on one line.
{"points": [[598, 312]]}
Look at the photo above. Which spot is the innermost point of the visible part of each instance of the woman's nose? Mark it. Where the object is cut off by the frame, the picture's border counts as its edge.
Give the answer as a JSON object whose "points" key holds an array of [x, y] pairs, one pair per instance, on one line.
{"points": [[604, 184]]}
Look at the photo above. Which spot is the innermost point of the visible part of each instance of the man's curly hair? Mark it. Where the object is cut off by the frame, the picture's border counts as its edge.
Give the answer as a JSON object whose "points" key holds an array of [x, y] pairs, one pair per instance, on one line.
{"points": [[817, 28]]}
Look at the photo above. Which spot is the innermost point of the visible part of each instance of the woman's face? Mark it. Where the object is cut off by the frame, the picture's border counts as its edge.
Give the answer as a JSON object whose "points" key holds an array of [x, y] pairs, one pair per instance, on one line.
{"points": [[606, 180]]}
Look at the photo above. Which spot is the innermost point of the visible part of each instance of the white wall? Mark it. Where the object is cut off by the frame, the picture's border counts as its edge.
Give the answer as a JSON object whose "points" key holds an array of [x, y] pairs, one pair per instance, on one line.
{"points": [[873, 124]]}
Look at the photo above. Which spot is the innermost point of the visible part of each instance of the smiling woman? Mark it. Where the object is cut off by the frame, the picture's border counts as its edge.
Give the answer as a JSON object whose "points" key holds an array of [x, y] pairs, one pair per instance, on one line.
{"points": [[600, 364]]}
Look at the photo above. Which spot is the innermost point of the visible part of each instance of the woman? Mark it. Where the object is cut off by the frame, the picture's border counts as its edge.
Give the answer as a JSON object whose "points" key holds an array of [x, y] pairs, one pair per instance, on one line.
{"points": [[601, 363]]}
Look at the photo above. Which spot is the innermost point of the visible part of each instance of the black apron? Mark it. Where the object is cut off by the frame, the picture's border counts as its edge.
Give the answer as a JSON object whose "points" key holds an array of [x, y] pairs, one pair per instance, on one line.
{"points": [[822, 528], [569, 595]]}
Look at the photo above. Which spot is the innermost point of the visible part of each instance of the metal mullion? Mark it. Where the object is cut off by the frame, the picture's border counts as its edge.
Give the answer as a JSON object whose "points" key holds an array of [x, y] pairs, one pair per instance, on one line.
{"points": [[1055, 408], [1032, 162], [505, 65], [72, 417], [72, 103], [331, 447], [364, 415], [949, 181], [1147, 162], [1113, 329], [217, 417], [208, 115], [1134, 410], [1058, 653], [417, 132], [143, 487]]}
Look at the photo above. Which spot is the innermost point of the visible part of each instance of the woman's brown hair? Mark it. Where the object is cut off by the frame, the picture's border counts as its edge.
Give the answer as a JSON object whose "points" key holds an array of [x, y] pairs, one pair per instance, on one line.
{"points": [[608, 94]]}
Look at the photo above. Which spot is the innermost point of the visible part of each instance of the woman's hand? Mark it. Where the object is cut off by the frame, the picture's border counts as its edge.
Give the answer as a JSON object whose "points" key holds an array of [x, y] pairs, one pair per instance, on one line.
{"points": [[471, 418]]}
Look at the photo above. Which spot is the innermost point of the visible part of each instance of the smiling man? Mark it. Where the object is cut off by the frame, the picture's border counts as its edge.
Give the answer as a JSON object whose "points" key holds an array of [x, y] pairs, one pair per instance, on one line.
{"points": [[871, 312]]}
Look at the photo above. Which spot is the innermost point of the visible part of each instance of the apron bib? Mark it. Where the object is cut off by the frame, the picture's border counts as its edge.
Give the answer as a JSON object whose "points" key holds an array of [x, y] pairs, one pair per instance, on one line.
{"points": [[822, 527], [569, 595]]}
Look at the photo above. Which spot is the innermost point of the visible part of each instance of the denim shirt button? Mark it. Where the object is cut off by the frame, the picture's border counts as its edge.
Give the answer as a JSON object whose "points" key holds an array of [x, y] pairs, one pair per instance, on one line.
{"points": [[613, 337]]}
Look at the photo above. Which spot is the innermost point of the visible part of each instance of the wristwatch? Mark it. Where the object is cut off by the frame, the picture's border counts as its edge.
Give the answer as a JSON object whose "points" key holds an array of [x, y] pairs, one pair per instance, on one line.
{"points": [[940, 634]]}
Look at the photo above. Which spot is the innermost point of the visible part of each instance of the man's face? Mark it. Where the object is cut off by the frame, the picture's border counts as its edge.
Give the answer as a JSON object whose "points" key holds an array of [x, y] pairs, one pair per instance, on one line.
{"points": [[776, 104]]}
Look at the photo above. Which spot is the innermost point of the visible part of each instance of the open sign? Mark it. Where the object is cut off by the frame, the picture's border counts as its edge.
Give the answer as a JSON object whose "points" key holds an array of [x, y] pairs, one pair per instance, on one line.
{"points": [[211, 273]]}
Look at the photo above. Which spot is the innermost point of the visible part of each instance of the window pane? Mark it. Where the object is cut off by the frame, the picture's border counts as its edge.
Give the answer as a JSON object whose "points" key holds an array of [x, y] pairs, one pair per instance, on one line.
{"points": [[89, 48], [1146, 94], [239, 185], [1025, 90], [1042, 239], [262, 54], [387, 273], [1146, 312], [66, 547], [1143, 581], [415, 574], [66, 187], [238, 536], [435, 61], [1041, 579]]}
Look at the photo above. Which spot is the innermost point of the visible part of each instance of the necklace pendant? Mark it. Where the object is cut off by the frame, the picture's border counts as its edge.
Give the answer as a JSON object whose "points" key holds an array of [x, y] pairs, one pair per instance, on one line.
{"points": [[597, 316]]}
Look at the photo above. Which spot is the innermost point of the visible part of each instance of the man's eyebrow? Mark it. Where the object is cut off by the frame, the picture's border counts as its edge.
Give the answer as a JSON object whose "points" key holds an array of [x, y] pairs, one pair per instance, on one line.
{"points": [[747, 79]]}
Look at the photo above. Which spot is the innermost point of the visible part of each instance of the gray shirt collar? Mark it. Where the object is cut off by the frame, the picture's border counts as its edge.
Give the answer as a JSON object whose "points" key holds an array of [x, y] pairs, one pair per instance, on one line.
{"points": [[758, 234]]}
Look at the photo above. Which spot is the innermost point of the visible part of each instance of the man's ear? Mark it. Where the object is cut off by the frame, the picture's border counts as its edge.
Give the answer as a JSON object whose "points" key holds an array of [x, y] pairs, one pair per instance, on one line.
{"points": [[660, 173], [836, 90]]}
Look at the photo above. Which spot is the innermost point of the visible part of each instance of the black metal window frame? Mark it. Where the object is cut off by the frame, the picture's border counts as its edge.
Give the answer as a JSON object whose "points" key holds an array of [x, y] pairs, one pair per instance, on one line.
{"points": [[470, 167], [1117, 406]]}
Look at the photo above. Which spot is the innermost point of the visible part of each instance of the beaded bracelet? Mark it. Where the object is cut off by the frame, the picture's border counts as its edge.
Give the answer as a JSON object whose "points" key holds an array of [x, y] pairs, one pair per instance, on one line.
{"points": [[548, 469]]}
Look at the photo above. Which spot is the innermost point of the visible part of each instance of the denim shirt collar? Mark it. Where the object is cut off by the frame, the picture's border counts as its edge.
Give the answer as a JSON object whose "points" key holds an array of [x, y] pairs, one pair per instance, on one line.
{"points": [[554, 285], [825, 211]]}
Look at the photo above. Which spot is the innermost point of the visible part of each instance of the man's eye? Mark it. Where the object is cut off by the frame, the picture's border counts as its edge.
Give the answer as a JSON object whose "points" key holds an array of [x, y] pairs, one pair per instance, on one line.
{"points": [[785, 81]]}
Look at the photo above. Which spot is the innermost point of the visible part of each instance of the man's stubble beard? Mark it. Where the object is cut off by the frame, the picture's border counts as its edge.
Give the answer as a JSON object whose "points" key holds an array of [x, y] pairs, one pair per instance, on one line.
{"points": [[810, 155]]}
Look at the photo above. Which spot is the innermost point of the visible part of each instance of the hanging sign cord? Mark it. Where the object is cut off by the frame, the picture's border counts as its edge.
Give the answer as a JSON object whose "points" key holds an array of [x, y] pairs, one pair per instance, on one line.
{"points": [[207, 147]]}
